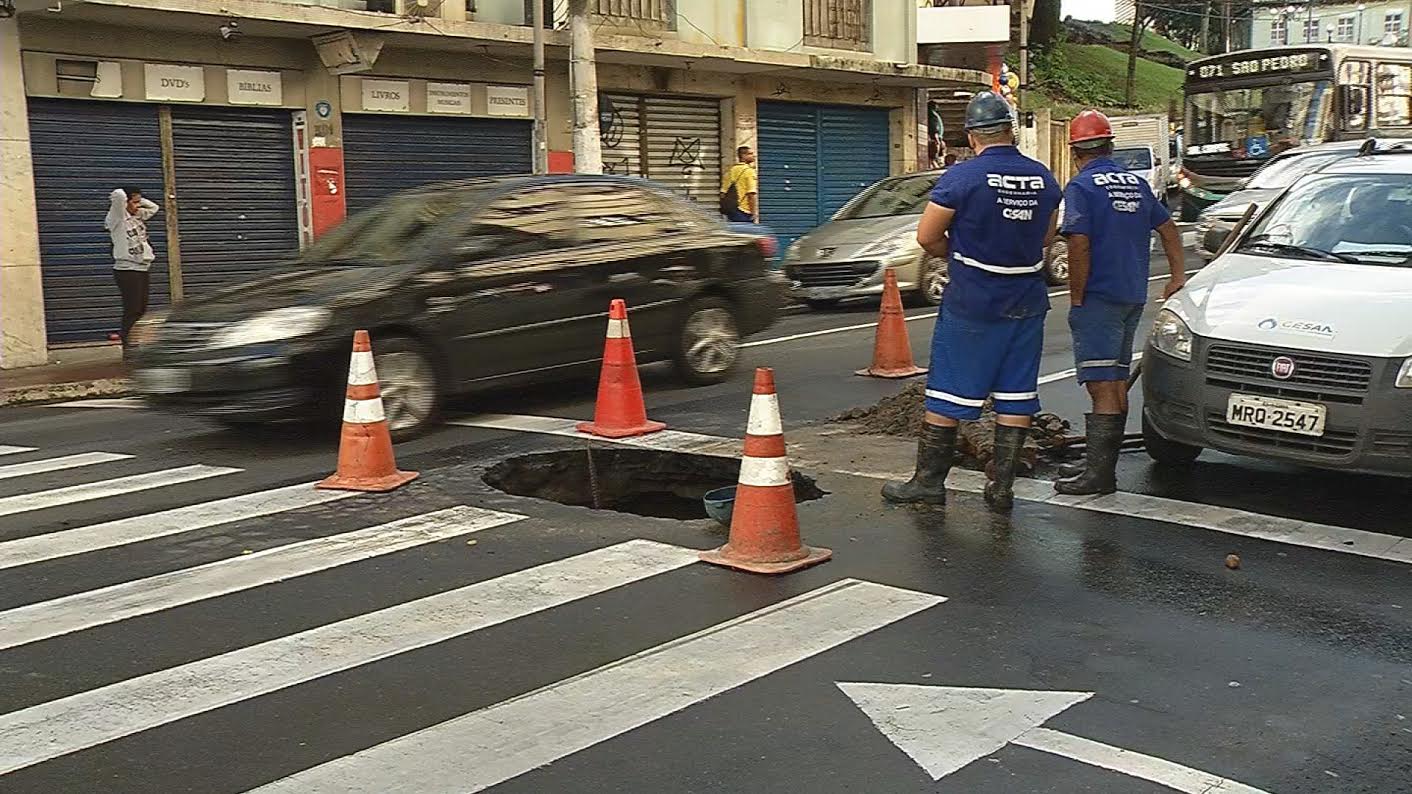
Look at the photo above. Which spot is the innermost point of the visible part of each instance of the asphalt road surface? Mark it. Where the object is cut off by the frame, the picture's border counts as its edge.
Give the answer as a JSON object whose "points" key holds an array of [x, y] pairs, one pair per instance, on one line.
{"points": [[181, 612]]}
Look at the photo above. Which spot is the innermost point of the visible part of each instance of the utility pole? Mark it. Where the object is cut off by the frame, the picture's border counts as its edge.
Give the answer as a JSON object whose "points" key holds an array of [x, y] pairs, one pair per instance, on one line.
{"points": [[1226, 24], [1026, 11], [583, 77], [541, 114], [1205, 48], [1132, 53]]}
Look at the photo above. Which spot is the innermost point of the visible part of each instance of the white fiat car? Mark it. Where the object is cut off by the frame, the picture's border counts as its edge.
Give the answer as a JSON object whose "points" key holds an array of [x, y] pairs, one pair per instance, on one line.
{"points": [[1296, 344]]}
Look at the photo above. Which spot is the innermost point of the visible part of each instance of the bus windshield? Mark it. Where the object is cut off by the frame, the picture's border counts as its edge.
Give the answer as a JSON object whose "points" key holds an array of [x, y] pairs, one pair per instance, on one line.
{"points": [[1255, 122]]}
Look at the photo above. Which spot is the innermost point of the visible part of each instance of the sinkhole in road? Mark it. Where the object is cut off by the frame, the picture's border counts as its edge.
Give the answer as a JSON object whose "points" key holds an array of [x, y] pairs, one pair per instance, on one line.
{"points": [[642, 482]]}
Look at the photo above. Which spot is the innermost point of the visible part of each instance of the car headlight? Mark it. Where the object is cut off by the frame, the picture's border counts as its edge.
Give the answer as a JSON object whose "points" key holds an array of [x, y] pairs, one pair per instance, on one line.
{"points": [[1404, 375], [1171, 336], [144, 331], [272, 326], [891, 246]]}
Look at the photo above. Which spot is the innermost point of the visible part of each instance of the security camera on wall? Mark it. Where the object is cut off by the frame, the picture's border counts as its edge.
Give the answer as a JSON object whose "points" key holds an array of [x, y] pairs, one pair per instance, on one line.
{"points": [[231, 31]]}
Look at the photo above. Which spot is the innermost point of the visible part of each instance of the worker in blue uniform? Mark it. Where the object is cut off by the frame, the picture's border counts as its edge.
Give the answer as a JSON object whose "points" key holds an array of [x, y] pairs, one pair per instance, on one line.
{"points": [[991, 218], [1109, 216]]}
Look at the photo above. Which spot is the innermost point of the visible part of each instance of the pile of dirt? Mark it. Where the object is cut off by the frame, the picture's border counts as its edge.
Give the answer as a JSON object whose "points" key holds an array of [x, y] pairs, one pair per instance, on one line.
{"points": [[902, 414]]}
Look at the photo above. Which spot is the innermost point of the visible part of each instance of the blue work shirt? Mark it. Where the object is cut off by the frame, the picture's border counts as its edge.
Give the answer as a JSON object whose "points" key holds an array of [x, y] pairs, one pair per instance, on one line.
{"points": [[1003, 202], [1115, 209]]}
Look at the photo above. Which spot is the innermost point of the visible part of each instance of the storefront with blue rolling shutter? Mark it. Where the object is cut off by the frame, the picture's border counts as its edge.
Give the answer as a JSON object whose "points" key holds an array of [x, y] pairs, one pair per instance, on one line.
{"points": [[385, 153], [814, 158], [81, 151]]}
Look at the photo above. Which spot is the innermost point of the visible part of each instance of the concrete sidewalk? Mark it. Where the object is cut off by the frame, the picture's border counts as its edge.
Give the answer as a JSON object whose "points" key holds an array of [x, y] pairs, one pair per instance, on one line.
{"points": [[71, 374]]}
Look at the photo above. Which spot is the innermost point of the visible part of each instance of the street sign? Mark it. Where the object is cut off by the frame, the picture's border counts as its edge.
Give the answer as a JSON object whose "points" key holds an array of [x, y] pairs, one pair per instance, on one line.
{"points": [[945, 728]]}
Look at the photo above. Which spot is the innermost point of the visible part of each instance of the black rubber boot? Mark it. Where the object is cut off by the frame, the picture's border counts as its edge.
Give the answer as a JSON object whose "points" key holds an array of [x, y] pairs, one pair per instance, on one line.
{"points": [[1009, 444], [936, 449], [1105, 438], [1069, 470]]}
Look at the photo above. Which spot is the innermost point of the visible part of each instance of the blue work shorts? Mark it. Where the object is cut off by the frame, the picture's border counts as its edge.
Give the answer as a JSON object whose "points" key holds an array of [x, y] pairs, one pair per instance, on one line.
{"points": [[1103, 338], [976, 359]]}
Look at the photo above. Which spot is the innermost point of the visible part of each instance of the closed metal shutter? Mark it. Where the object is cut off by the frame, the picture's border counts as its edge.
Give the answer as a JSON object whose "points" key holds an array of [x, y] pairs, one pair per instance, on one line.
{"points": [[620, 134], [673, 141], [383, 154], [236, 194], [814, 158], [82, 150]]}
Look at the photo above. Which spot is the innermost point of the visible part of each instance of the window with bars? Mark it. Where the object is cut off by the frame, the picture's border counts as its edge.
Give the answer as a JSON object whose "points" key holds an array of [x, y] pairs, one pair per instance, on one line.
{"points": [[838, 24], [1311, 31], [656, 14]]}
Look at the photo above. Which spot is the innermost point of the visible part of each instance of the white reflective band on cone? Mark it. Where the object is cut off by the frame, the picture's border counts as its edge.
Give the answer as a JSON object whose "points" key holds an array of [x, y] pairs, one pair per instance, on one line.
{"points": [[764, 471], [618, 329], [361, 371], [363, 412], [764, 415]]}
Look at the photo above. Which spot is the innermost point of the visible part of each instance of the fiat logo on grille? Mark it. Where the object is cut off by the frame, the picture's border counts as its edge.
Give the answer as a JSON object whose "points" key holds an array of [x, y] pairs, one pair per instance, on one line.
{"points": [[1282, 367], [825, 253]]}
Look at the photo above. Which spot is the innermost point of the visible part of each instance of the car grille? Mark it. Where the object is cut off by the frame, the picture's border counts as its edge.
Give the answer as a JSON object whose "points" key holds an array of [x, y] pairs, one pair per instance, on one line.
{"points": [[1222, 166], [1333, 443], [842, 274], [186, 337], [1246, 368]]}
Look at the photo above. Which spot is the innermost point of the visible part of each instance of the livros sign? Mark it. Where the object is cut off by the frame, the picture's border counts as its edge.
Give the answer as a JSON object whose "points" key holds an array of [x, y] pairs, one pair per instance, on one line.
{"points": [[389, 95], [249, 87], [171, 83]]}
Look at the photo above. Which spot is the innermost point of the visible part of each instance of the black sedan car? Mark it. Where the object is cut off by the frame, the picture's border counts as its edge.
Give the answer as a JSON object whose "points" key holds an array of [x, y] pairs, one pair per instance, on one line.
{"points": [[467, 285]]}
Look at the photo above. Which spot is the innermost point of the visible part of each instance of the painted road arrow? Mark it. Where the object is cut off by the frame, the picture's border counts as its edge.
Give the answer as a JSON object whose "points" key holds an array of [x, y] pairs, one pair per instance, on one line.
{"points": [[944, 728]]}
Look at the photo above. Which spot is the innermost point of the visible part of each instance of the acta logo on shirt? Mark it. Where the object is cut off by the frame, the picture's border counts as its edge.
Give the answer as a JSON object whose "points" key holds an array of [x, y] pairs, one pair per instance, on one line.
{"points": [[1103, 179], [1009, 182]]}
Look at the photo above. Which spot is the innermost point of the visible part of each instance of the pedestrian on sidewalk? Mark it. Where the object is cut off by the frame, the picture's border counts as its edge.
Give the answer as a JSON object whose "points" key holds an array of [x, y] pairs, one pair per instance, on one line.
{"points": [[1109, 216], [128, 213], [992, 216], [740, 189]]}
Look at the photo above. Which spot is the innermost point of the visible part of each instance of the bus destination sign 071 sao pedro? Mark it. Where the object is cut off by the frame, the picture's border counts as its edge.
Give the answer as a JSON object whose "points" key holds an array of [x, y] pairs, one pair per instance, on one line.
{"points": [[1267, 64]]}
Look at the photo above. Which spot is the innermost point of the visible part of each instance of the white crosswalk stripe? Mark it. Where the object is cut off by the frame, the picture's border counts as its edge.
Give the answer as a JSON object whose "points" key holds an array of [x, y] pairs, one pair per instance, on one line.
{"points": [[56, 497], [109, 604], [122, 531], [58, 464], [13, 450]]}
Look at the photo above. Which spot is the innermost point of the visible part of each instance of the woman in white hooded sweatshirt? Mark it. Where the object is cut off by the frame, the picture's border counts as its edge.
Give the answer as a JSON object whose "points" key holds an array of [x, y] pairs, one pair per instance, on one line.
{"points": [[128, 213]]}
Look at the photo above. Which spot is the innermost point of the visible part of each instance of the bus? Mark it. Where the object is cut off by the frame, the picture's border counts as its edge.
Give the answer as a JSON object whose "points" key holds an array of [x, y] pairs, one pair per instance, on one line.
{"points": [[1244, 107]]}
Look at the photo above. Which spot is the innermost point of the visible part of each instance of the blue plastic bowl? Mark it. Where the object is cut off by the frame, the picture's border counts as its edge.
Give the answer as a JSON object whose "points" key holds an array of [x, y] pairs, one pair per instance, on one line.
{"points": [[720, 503]]}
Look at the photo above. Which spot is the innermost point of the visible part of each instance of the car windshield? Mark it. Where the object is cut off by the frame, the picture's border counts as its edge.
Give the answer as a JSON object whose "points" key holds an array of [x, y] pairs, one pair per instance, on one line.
{"points": [[390, 230], [1137, 158], [1255, 122], [1363, 218], [1281, 172], [898, 196]]}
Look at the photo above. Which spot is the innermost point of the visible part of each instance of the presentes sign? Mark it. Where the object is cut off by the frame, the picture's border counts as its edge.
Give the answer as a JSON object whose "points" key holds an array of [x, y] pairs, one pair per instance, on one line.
{"points": [[504, 100]]}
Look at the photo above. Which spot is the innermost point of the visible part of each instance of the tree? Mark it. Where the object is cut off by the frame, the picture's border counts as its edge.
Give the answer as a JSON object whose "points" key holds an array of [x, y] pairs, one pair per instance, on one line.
{"points": [[1044, 25]]}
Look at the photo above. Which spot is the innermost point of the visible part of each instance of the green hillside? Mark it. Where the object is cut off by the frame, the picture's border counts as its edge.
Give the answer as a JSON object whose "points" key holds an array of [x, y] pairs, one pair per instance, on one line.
{"points": [[1075, 76], [1151, 42]]}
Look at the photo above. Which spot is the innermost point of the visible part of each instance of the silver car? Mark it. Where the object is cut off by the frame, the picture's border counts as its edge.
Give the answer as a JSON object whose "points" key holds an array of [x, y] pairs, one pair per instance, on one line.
{"points": [[876, 230]]}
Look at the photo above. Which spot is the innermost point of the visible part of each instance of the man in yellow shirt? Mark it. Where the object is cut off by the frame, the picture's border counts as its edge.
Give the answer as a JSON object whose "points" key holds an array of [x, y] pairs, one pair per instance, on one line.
{"points": [[740, 189]]}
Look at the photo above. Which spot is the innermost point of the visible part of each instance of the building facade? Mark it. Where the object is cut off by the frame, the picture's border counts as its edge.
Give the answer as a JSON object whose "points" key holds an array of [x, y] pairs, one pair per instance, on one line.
{"points": [[1384, 23], [258, 124]]}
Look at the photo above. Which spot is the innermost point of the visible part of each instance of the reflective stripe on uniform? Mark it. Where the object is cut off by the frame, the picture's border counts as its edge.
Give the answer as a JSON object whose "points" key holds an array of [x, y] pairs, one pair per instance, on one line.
{"points": [[361, 371], [363, 412], [1003, 270], [618, 329], [764, 415], [1102, 362], [951, 398], [1015, 396], [765, 472]]}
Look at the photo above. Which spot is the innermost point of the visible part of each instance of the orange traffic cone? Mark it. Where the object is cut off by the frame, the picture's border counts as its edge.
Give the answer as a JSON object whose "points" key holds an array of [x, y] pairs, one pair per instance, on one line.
{"points": [[620, 412], [892, 350], [365, 461], [764, 535]]}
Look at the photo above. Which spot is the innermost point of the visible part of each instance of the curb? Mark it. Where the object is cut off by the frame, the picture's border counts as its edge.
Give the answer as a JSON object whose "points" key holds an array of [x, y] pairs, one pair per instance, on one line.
{"points": [[53, 392]]}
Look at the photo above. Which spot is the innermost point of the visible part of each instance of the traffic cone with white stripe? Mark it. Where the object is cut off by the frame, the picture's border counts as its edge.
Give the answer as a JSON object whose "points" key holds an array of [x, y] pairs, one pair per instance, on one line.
{"points": [[620, 411], [365, 461], [892, 349], [764, 536]]}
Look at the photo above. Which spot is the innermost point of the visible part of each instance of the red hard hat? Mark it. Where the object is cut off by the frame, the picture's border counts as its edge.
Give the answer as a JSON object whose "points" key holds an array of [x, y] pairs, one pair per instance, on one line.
{"points": [[1089, 125]]}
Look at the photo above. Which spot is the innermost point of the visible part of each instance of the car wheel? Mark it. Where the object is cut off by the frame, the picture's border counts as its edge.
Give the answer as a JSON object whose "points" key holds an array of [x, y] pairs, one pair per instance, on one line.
{"points": [[932, 277], [410, 386], [708, 344], [1056, 264], [1164, 451], [821, 305]]}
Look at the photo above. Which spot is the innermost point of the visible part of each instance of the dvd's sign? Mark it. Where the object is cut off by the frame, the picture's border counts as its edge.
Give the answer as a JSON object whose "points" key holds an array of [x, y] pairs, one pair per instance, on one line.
{"points": [[171, 83]]}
